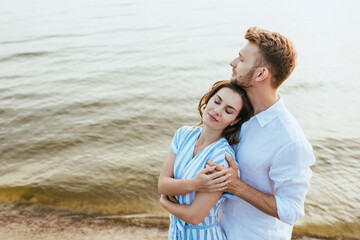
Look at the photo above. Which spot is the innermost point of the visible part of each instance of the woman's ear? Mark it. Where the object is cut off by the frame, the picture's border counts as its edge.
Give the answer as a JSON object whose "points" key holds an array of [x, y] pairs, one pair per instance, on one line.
{"points": [[234, 122]]}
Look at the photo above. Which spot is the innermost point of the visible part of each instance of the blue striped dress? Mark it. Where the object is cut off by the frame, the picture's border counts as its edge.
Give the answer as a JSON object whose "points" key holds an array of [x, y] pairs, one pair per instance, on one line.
{"points": [[186, 167]]}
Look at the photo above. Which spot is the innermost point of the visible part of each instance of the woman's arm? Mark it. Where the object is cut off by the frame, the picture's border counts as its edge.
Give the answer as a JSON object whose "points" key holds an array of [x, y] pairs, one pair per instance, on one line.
{"points": [[197, 211], [202, 182], [167, 184]]}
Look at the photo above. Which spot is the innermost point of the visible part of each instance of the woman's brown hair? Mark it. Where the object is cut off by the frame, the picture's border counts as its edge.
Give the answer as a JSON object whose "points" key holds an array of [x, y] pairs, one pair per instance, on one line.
{"points": [[231, 131]]}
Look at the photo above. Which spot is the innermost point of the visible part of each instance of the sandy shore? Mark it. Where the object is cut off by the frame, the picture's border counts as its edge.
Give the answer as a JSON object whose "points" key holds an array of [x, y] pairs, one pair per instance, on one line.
{"points": [[23, 232], [23, 223]]}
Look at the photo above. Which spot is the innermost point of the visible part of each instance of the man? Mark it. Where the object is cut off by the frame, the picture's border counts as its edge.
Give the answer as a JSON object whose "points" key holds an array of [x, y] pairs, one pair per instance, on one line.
{"points": [[273, 155]]}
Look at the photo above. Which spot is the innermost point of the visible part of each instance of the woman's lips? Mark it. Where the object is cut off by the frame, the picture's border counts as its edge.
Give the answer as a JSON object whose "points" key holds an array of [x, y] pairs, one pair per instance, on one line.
{"points": [[212, 117]]}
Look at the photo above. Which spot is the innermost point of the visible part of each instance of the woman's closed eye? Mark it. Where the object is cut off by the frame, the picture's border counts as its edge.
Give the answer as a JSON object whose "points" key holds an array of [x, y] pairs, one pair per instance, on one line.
{"points": [[229, 111], [217, 99]]}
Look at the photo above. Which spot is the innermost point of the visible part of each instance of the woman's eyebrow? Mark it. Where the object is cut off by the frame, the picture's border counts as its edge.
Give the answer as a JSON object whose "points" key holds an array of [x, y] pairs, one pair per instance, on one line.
{"points": [[231, 107], [227, 105]]}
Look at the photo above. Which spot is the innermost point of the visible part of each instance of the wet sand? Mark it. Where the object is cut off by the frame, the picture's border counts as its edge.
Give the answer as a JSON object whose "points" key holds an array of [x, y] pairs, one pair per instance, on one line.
{"points": [[23, 232], [24, 222]]}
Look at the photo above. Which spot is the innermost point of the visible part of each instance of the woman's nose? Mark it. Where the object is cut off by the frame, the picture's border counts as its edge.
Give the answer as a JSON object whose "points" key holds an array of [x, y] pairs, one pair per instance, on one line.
{"points": [[217, 111]]}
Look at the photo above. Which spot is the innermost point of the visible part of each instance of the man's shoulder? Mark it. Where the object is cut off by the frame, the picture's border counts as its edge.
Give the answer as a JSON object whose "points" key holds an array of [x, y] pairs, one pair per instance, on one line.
{"points": [[289, 127], [291, 137]]}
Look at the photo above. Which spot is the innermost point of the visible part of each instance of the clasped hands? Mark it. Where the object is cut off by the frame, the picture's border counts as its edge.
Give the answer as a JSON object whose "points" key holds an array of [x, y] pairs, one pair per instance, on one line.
{"points": [[213, 178]]}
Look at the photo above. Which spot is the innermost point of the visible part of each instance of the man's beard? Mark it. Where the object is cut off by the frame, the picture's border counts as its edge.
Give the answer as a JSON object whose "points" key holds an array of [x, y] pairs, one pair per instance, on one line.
{"points": [[246, 81]]}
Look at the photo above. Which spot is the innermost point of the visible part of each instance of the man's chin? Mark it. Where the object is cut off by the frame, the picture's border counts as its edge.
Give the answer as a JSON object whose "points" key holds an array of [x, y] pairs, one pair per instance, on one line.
{"points": [[236, 81], [233, 79], [241, 84]]}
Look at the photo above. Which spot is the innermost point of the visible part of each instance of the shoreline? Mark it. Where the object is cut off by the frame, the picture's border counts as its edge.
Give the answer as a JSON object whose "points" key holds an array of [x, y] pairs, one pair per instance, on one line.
{"points": [[21, 222], [24, 222]]}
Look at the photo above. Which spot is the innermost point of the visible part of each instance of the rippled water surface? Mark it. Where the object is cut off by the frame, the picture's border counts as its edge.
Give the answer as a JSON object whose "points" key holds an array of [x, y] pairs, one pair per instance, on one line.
{"points": [[91, 93]]}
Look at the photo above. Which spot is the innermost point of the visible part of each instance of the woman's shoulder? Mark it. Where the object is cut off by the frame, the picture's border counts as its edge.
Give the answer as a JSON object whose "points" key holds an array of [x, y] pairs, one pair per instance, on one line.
{"points": [[185, 130], [223, 147]]}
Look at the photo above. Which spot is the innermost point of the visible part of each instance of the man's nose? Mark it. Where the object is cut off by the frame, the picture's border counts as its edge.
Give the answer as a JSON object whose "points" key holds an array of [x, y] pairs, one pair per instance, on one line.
{"points": [[233, 62]]}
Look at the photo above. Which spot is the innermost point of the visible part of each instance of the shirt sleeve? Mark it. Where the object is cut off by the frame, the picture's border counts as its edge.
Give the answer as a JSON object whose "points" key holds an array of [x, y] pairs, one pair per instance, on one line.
{"points": [[220, 159], [290, 171], [176, 140]]}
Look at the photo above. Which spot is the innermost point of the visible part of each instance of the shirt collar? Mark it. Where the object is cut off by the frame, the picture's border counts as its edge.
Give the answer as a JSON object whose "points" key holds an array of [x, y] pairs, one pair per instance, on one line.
{"points": [[269, 114]]}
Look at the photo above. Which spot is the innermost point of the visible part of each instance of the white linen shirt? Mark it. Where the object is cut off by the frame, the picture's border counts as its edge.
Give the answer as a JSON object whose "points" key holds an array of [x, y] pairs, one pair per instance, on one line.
{"points": [[274, 157]]}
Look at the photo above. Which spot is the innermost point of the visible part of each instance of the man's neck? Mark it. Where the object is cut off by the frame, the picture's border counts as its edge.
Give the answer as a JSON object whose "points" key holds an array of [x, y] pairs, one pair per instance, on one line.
{"points": [[262, 99]]}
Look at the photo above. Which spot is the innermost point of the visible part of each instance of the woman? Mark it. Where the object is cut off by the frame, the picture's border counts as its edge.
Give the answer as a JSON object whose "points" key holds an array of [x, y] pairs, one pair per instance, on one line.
{"points": [[194, 215]]}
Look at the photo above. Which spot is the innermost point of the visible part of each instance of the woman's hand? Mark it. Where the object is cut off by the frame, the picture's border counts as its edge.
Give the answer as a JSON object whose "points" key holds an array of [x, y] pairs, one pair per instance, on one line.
{"points": [[164, 200], [172, 199], [211, 179], [231, 175]]}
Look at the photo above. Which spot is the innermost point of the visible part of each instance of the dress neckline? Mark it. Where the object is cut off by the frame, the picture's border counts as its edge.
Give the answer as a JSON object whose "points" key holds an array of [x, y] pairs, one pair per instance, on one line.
{"points": [[197, 132]]}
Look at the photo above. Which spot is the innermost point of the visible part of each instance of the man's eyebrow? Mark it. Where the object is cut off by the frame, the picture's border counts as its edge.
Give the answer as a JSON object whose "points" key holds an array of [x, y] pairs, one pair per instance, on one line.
{"points": [[241, 55]]}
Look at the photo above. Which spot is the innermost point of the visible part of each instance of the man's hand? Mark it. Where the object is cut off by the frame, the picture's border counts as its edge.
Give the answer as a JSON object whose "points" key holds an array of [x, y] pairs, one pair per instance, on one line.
{"points": [[211, 179], [232, 173], [262, 201]]}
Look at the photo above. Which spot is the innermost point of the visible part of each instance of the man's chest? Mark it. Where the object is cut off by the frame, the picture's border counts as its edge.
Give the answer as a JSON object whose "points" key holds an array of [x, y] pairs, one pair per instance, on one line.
{"points": [[254, 154]]}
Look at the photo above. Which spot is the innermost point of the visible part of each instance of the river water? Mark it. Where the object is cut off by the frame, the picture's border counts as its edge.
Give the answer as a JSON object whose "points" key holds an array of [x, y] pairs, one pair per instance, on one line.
{"points": [[91, 93]]}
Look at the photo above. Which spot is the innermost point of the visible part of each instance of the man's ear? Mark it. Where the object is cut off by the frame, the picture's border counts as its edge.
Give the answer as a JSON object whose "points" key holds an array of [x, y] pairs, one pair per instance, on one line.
{"points": [[262, 74]]}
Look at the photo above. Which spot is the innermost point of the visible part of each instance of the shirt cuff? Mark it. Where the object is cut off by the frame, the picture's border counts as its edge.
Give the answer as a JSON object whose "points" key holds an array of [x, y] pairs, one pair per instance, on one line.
{"points": [[287, 214]]}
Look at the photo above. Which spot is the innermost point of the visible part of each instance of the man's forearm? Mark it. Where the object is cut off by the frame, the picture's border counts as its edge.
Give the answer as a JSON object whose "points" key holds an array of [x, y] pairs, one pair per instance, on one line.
{"points": [[262, 201]]}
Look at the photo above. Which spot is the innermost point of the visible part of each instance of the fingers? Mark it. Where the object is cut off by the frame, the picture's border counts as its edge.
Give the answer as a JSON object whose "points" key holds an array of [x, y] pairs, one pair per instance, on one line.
{"points": [[230, 161], [222, 186], [213, 167], [222, 179], [207, 169], [220, 183], [218, 167], [172, 199], [163, 199], [219, 174]]}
